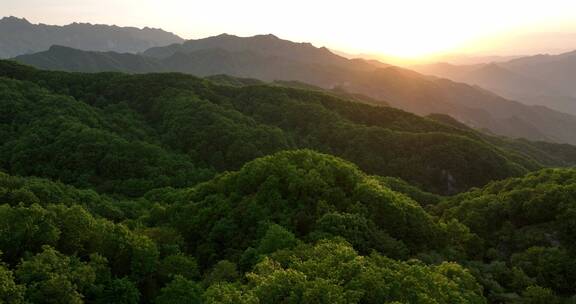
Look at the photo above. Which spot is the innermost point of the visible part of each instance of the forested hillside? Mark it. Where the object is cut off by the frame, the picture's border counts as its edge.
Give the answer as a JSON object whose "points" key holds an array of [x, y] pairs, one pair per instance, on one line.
{"points": [[269, 58], [214, 127], [168, 188]]}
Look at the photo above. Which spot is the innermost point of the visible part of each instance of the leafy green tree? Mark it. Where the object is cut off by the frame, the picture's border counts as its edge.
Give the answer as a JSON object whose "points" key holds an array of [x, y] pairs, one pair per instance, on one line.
{"points": [[51, 277], [181, 265], [360, 232], [228, 293], [180, 291], [223, 271], [10, 292], [276, 238], [120, 291], [25, 229], [332, 272], [539, 295], [551, 267]]}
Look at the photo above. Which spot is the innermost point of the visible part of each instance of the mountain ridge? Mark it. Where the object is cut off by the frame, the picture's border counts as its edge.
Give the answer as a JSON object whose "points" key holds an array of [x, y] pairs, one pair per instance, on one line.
{"points": [[541, 79], [19, 36], [287, 61]]}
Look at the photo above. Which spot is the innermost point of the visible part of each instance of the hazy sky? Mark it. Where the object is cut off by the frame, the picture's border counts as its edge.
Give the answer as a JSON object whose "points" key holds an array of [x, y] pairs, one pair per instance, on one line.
{"points": [[399, 27]]}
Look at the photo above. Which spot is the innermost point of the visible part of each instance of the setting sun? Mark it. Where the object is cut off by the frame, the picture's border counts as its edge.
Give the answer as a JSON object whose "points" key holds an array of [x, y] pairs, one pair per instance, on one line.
{"points": [[404, 29]]}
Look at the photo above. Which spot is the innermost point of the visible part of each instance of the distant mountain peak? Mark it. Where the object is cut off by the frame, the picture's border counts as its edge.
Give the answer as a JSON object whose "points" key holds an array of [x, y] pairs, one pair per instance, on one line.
{"points": [[14, 20], [56, 47], [226, 35], [19, 37], [268, 36], [264, 37]]}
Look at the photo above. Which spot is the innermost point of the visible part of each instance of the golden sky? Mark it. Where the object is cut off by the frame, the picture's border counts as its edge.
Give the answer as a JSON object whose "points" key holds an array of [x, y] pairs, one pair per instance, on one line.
{"points": [[401, 28]]}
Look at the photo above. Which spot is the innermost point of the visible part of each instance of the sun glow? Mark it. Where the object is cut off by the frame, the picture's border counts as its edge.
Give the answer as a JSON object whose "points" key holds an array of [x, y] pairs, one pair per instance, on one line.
{"points": [[408, 29]]}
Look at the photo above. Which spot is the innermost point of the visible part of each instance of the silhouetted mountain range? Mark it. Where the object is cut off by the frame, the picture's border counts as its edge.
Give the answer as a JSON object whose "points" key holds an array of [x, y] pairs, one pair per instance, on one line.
{"points": [[18, 37], [269, 58], [267, 45], [536, 80]]}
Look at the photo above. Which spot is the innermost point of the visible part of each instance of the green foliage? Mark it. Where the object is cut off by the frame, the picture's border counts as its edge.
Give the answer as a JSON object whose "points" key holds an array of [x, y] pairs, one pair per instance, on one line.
{"points": [[537, 198], [58, 137], [526, 222], [27, 191], [223, 271], [398, 185], [294, 189], [539, 295], [51, 277], [551, 267], [175, 130], [179, 265], [212, 134], [227, 293], [128, 205], [10, 292], [360, 232], [120, 291], [332, 272], [180, 291], [276, 238]]}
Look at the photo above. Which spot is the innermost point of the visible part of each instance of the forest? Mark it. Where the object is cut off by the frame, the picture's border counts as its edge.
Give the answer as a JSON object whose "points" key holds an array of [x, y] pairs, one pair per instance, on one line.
{"points": [[169, 188]]}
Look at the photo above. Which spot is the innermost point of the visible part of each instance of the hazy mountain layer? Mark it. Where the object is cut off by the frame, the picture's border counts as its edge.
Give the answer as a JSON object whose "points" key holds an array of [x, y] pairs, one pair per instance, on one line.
{"points": [[536, 80], [18, 37], [269, 58]]}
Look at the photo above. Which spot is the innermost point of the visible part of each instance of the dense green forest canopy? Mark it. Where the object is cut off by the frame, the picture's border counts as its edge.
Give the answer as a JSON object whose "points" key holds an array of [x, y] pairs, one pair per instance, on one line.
{"points": [[167, 188], [154, 121]]}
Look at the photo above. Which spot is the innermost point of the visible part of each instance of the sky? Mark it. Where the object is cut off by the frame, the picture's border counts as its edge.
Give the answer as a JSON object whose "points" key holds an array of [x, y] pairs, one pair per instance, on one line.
{"points": [[399, 28]]}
